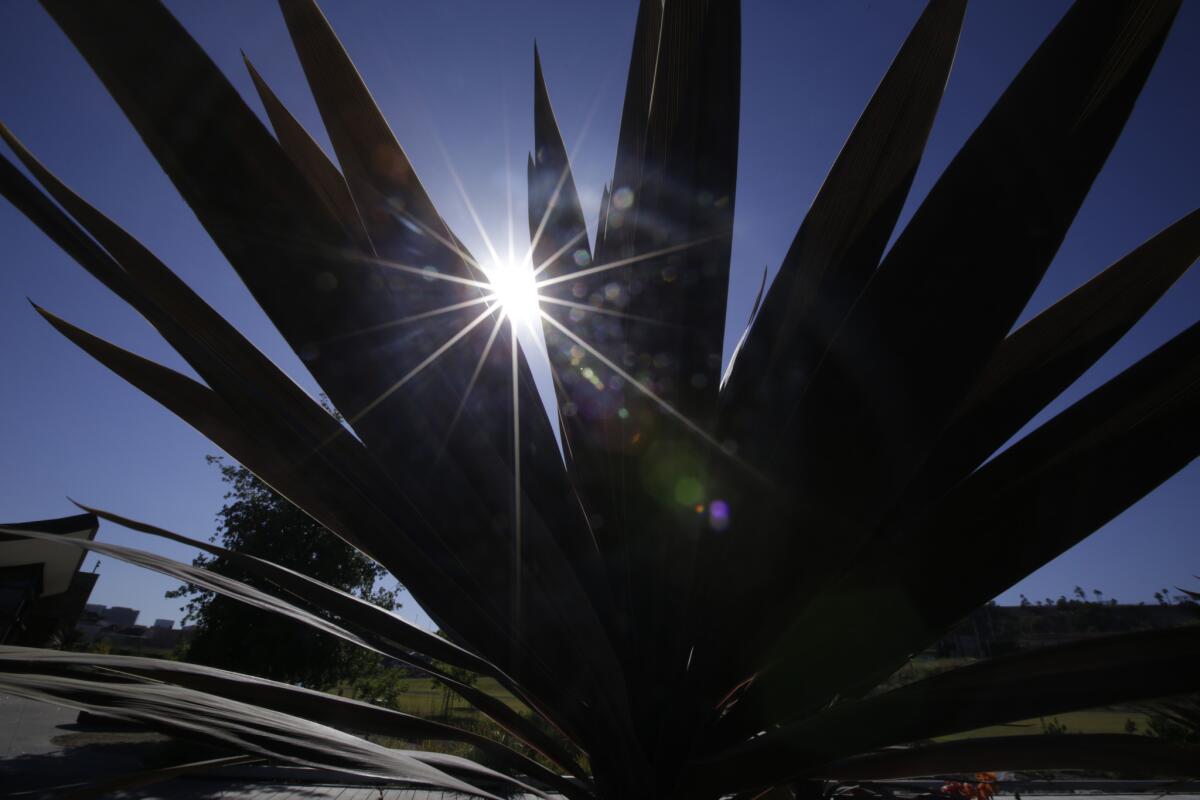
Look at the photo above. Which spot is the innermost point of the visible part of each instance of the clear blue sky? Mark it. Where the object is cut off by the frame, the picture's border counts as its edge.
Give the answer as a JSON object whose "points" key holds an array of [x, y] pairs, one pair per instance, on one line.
{"points": [[460, 73]]}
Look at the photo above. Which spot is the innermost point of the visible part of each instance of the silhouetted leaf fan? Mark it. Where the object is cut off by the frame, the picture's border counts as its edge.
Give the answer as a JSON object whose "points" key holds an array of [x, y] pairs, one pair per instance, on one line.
{"points": [[700, 589]]}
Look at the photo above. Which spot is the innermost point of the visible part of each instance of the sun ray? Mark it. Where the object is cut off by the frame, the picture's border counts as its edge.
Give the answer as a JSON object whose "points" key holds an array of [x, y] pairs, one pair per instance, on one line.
{"points": [[537, 235], [450, 244], [487, 348], [624, 262], [508, 192], [430, 274], [466, 198], [516, 399], [412, 373], [692, 426], [567, 455], [562, 178], [413, 318], [549, 262], [610, 311]]}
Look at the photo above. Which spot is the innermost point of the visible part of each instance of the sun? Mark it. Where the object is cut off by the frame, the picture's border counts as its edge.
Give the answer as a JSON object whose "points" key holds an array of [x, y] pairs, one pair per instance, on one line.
{"points": [[516, 291]]}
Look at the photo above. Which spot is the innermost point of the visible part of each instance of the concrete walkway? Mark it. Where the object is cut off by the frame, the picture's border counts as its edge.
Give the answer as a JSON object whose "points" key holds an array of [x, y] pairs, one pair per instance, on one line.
{"points": [[28, 727], [42, 746], [44, 752]]}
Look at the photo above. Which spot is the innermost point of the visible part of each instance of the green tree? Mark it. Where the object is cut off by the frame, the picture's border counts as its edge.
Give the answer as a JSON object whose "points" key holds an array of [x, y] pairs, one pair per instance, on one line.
{"points": [[230, 635]]}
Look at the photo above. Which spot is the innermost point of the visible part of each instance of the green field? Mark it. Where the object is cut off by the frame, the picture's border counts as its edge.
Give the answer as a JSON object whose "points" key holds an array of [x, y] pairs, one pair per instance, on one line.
{"points": [[1103, 720], [1096, 721], [426, 698]]}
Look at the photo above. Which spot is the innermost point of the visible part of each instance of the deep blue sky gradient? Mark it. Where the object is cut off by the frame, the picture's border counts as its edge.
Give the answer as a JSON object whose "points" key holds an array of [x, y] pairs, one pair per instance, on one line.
{"points": [[455, 80]]}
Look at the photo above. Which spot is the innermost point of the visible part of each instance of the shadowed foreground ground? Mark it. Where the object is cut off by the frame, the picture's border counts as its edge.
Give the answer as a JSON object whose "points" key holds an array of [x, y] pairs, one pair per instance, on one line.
{"points": [[45, 752]]}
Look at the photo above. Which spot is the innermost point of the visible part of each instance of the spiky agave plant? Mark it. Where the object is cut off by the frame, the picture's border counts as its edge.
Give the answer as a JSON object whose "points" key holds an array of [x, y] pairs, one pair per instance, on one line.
{"points": [[842, 458]]}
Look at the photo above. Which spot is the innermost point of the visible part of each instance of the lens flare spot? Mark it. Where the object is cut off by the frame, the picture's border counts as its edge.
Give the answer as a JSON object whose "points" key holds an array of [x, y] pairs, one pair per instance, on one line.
{"points": [[718, 515], [688, 491]]}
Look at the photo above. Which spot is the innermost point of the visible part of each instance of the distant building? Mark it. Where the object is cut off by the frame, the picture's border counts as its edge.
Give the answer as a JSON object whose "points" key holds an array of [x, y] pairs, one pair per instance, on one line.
{"points": [[164, 623], [42, 591], [121, 616], [163, 638]]}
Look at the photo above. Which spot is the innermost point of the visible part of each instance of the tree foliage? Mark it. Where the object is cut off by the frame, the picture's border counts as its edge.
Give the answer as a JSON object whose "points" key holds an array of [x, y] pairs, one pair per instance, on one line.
{"points": [[256, 521]]}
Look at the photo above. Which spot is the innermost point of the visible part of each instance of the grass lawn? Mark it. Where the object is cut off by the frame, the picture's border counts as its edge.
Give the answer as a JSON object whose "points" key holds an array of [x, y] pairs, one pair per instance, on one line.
{"points": [[1103, 720], [424, 697], [1096, 721]]}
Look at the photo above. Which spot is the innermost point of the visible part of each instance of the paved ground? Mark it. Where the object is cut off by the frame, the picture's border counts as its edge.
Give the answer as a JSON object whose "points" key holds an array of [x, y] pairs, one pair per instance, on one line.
{"points": [[216, 790], [28, 727], [42, 746], [44, 752]]}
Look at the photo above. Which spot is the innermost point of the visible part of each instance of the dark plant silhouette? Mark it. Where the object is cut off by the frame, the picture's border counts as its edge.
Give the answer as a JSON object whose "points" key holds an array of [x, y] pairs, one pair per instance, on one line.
{"points": [[1175, 719], [700, 591]]}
